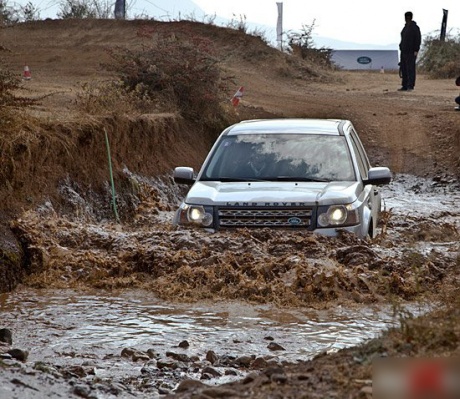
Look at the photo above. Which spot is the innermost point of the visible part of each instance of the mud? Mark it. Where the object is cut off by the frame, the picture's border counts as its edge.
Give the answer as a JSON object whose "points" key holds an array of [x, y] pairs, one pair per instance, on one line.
{"points": [[173, 304], [259, 266]]}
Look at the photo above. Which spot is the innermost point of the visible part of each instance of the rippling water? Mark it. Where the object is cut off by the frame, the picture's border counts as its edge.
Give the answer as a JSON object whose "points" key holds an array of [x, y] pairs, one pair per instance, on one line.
{"points": [[100, 324]]}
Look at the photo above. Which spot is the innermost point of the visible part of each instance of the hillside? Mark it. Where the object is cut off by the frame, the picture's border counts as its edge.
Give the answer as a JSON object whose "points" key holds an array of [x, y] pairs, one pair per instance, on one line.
{"points": [[414, 133]]}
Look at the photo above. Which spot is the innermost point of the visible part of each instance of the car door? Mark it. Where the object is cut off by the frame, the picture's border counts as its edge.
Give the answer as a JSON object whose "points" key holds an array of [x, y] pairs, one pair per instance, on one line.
{"points": [[374, 199]]}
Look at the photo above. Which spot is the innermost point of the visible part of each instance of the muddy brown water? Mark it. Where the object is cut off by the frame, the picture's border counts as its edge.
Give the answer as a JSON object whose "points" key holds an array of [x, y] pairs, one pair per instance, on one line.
{"points": [[93, 326], [64, 326]]}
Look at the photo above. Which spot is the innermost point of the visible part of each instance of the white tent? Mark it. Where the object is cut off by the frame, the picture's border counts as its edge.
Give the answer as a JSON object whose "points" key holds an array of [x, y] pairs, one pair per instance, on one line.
{"points": [[366, 59]]}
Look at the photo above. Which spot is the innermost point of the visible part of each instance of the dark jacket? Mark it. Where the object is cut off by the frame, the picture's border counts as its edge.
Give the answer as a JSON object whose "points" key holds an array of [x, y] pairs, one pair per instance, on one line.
{"points": [[411, 38]]}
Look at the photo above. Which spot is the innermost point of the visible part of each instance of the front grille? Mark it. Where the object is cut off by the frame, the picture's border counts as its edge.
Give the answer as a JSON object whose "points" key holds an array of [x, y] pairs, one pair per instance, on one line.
{"points": [[265, 217]]}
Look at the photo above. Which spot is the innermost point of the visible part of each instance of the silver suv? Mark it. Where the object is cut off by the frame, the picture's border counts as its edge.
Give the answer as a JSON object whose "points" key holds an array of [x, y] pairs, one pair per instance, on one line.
{"points": [[310, 174]]}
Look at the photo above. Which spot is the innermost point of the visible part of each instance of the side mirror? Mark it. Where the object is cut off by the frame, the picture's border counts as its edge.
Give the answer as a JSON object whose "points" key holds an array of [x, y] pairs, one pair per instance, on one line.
{"points": [[184, 175], [379, 176]]}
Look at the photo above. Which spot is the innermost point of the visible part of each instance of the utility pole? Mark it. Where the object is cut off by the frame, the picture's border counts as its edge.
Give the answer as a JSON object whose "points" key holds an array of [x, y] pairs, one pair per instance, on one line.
{"points": [[120, 9], [279, 26], [443, 25]]}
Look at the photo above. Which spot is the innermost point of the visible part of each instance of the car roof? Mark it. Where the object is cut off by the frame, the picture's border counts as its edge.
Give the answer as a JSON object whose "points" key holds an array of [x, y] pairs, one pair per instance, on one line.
{"points": [[289, 125]]}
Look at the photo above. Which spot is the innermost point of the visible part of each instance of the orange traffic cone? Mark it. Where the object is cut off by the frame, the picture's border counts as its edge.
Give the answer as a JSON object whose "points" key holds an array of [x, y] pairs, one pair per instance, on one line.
{"points": [[236, 98], [27, 75]]}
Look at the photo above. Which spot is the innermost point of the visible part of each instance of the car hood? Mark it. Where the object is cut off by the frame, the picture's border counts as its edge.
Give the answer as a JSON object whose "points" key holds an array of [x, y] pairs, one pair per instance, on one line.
{"points": [[273, 193]]}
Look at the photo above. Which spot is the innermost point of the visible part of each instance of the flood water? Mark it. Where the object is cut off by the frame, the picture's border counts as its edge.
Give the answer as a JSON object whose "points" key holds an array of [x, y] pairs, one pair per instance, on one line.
{"points": [[66, 326]]}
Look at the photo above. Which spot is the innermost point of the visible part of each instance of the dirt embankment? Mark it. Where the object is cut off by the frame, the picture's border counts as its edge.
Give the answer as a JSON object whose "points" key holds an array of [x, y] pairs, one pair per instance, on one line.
{"points": [[55, 143], [409, 132]]}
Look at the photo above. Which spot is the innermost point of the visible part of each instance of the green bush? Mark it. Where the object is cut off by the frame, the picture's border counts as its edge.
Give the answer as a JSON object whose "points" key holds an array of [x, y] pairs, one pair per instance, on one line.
{"points": [[177, 73], [441, 59]]}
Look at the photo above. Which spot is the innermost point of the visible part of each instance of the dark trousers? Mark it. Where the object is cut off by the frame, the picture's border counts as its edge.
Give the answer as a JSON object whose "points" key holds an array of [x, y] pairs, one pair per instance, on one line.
{"points": [[408, 70]]}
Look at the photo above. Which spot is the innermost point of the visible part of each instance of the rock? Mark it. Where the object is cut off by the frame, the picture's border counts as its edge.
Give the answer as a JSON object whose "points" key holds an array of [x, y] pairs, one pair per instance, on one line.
{"points": [[244, 361], [74, 371], [18, 354], [181, 357], [212, 371], [127, 352], [11, 254], [184, 344], [259, 363], [6, 336], [273, 346], [251, 377], [138, 355], [82, 390], [167, 363], [189, 385], [211, 357], [135, 354]]}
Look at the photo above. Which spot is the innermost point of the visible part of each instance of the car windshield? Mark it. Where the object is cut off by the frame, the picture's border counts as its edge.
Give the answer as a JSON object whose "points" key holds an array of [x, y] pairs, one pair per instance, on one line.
{"points": [[282, 157]]}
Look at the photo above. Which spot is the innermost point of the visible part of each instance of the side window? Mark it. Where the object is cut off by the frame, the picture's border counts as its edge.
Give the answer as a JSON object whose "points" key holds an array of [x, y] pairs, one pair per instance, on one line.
{"points": [[363, 162]]}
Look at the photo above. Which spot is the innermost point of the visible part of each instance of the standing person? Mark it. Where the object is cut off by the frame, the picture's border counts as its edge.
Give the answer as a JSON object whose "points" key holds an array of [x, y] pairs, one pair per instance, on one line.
{"points": [[457, 99], [409, 46]]}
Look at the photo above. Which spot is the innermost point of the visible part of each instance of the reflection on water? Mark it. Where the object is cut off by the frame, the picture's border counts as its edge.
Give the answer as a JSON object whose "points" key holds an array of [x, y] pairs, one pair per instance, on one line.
{"points": [[98, 325]]}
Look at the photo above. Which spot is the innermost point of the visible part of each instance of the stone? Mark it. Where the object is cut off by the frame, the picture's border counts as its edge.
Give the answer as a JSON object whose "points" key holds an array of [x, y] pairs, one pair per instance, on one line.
{"points": [[189, 385], [18, 354], [6, 336]]}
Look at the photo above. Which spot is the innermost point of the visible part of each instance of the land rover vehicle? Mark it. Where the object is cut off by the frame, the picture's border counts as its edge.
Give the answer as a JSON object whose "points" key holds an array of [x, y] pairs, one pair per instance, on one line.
{"points": [[310, 174]]}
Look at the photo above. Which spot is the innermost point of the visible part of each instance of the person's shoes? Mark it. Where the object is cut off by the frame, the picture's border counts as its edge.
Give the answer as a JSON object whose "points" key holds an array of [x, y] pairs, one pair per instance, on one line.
{"points": [[457, 108], [402, 89], [409, 89]]}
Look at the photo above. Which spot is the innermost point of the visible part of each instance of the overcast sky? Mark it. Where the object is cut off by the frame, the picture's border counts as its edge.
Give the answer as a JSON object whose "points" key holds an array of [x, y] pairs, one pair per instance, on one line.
{"points": [[359, 21], [362, 21]]}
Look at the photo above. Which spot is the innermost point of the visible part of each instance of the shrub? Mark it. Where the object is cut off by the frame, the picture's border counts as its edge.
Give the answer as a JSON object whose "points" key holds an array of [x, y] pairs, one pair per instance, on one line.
{"points": [[175, 72], [97, 98], [8, 15], [301, 44], [29, 12], [441, 59], [23, 13], [8, 83], [9, 101], [85, 9]]}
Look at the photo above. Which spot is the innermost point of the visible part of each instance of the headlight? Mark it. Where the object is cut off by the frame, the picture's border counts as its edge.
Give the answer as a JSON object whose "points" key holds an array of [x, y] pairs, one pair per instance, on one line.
{"points": [[196, 214], [338, 215]]}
